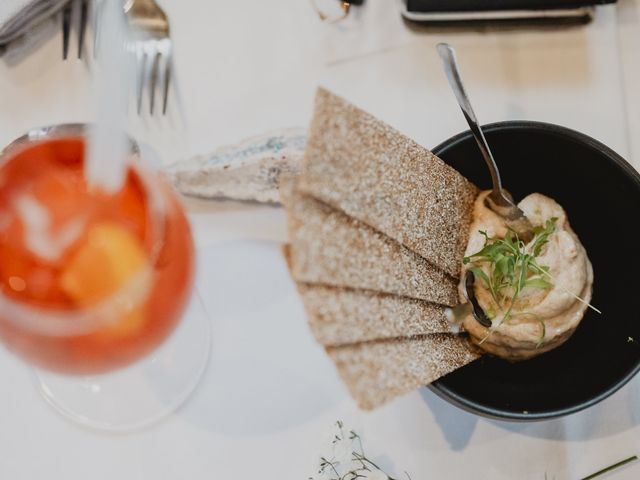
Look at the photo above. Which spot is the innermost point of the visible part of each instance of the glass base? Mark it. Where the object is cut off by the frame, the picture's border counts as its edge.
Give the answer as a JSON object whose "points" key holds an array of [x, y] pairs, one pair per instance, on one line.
{"points": [[144, 393]]}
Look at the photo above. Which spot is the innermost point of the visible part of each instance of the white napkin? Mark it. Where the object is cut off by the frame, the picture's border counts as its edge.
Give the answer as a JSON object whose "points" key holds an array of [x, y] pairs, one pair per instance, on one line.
{"points": [[16, 16]]}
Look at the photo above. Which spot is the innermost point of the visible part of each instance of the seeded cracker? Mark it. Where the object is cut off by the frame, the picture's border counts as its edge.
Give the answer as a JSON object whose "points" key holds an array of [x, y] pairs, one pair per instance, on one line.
{"points": [[376, 372], [329, 248], [339, 316], [358, 164]]}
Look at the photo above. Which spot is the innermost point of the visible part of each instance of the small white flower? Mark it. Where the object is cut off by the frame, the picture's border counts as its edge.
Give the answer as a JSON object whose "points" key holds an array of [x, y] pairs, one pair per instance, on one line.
{"points": [[343, 457]]}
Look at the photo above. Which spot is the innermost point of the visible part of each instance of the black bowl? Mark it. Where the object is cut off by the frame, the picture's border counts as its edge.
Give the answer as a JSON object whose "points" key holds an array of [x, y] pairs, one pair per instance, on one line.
{"points": [[601, 193]]}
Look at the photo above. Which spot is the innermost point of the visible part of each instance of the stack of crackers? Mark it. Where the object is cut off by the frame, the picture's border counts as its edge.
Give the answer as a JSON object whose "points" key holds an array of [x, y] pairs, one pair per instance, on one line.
{"points": [[378, 226]]}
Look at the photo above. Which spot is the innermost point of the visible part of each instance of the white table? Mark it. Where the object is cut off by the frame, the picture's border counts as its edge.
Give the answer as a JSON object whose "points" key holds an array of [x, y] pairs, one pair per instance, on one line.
{"points": [[270, 393]]}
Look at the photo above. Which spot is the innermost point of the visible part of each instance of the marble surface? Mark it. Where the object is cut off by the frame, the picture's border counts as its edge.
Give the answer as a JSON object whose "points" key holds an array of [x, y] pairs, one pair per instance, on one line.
{"points": [[270, 393]]}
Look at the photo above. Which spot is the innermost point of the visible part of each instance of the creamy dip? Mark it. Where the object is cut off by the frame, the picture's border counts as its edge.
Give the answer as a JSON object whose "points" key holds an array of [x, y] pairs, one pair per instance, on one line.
{"points": [[522, 334]]}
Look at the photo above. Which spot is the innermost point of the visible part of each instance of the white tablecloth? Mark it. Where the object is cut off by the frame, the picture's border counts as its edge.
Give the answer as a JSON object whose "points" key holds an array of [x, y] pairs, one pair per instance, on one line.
{"points": [[270, 393]]}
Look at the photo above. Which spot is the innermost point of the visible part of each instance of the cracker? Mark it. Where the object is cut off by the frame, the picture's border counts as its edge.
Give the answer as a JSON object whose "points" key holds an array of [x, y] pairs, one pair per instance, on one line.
{"points": [[330, 248], [377, 372], [340, 316], [360, 165]]}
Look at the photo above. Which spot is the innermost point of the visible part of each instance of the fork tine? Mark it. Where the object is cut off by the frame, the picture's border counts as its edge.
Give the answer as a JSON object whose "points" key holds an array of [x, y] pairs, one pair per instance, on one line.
{"points": [[154, 80], [97, 8], [84, 13], [66, 29], [167, 75], [167, 82], [142, 60]]}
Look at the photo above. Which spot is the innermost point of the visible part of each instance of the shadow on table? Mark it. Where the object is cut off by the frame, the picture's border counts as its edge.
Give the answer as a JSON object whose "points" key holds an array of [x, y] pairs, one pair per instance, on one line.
{"points": [[266, 373], [457, 426], [613, 416]]}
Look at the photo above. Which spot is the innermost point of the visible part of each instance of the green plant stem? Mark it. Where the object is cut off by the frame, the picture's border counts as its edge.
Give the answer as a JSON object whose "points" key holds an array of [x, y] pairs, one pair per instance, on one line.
{"points": [[581, 300], [611, 467]]}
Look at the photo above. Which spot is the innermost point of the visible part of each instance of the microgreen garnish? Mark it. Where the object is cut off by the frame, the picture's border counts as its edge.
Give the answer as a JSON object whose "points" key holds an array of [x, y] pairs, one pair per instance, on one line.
{"points": [[610, 468], [507, 266], [512, 266]]}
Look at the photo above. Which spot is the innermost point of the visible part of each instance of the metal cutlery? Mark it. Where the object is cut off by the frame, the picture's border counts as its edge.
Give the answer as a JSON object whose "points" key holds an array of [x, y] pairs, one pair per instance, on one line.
{"points": [[150, 42], [153, 48], [499, 200], [82, 7]]}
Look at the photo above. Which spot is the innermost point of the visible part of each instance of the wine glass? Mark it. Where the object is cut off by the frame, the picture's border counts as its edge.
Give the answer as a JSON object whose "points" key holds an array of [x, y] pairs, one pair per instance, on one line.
{"points": [[93, 284]]}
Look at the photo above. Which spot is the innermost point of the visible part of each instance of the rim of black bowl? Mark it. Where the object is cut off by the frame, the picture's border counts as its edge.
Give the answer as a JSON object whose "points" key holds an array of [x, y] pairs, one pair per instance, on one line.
{"points": [[469, 405]]}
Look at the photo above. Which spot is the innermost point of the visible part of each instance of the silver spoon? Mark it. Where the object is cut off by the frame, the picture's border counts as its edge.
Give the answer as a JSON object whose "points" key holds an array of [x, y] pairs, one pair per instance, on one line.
{"points": [[499, 200]]}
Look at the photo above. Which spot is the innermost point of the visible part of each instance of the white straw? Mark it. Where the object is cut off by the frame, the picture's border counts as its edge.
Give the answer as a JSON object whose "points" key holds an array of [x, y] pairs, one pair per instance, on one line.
{"points": [[106, 163]]}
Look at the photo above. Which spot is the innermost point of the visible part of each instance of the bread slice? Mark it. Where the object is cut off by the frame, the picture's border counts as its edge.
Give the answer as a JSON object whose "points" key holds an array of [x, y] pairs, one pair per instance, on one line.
{"points": [[330, 248], [339, 316], [358, 164], [377, 372]]}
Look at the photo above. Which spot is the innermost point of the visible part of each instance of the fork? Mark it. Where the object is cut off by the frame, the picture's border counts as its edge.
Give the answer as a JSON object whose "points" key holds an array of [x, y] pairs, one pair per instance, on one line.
{"points": [[150, 29], [67, 16]]}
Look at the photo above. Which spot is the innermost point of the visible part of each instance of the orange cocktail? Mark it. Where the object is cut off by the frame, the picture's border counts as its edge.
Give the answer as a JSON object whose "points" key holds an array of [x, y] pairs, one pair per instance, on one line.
{"points": [[90, 281]]}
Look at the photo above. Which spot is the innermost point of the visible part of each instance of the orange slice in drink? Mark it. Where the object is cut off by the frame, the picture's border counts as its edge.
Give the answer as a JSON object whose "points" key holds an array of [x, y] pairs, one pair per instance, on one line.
{"points": [[107, 261]]}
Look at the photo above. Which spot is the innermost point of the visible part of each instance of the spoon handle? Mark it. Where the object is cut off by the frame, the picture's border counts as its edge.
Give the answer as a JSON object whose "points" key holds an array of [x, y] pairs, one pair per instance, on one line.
{"points": [[498, 200], [448, 56]]}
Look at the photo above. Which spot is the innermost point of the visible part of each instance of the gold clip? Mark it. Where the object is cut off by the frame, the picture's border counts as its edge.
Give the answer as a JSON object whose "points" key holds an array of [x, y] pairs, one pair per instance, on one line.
{"points": [[345, 6]]}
